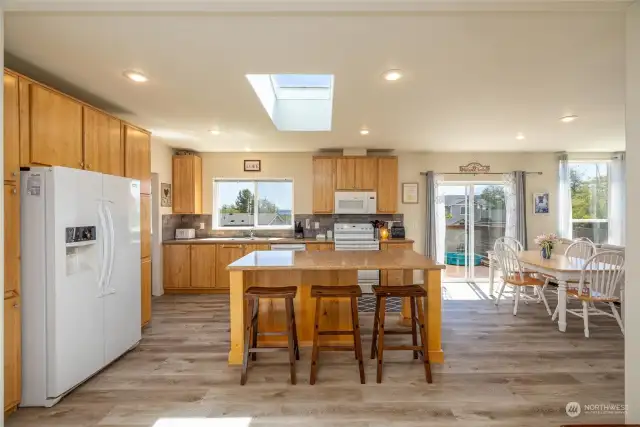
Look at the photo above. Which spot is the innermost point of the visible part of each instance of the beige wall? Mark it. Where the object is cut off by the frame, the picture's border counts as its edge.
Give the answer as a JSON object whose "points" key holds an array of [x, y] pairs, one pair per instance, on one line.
{"points": [[161, 164], [299, 167], [632, 290]]}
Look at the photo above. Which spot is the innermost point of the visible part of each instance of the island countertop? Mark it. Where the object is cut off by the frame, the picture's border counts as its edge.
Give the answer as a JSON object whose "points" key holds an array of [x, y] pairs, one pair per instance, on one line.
{"points": [[262, 240], [335, 260]]}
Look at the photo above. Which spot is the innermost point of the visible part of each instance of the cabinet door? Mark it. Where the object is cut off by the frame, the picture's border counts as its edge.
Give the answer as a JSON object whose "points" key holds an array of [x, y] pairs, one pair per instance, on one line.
{"points": [[394, 277], [226, 255], [11, 129], [56, 128], [137, 157], [387, 185], [252, 248], [319, 247], [323, 185], [183, 180], [11, 239], [177, 266], [12, 356], [345, 174], [102, 143], [145, 225], [146, 291], [203, 266], [366, 174]]}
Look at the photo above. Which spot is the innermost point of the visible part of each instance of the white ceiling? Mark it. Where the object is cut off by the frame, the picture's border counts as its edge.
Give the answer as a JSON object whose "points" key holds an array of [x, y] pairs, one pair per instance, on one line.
{"points": [[473, 80]]}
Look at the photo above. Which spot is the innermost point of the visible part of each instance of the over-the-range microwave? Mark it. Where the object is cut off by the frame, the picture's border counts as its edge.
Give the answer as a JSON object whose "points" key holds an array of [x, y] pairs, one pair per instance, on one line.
{"points": [[355, 202]]}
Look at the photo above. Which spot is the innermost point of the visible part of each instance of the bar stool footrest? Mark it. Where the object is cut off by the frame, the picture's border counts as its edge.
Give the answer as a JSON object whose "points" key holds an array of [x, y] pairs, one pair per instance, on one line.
{"points": [[335, 333]]}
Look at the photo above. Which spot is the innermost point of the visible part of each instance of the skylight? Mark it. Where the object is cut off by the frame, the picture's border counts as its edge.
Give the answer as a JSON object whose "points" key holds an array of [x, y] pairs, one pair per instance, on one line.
{"points": [[296, 102]]}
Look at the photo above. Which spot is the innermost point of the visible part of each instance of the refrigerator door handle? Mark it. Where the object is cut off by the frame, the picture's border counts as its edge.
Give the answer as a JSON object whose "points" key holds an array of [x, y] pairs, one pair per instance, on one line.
{"points": [[103, 263], [112, 247]]}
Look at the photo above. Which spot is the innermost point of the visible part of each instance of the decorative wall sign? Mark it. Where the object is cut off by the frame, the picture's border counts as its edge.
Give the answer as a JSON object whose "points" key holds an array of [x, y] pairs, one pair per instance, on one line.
{"points": [[540, 203], [165, 195], [409, 192], [475, 167], [252, 165]]}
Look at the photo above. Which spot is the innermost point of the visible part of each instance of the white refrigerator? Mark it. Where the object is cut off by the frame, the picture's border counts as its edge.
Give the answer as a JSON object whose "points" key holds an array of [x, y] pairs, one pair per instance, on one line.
{"points": [[80, 266]]}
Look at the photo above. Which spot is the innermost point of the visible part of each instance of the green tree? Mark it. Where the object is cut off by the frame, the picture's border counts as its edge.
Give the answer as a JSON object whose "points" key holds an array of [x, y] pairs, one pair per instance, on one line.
{"points": [[494, 196], [589, 196], [243, 203], [265, 206]]}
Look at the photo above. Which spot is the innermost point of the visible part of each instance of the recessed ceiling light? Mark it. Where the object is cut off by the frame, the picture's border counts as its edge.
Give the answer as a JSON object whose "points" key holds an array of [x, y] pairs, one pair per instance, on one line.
{"points": [[247, 149], [136, 76], [568, 119], [214, 132], [520, 136], [364, 131], [392, 75]]}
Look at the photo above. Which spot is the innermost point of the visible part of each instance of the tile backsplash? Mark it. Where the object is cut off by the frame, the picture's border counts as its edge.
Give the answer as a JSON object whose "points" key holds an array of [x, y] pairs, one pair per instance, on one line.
{"points": [[325, 222]]}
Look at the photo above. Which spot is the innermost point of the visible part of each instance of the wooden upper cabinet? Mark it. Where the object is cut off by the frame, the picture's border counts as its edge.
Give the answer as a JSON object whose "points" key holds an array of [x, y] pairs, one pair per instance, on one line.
{"points": [[137, 156], [366, 174], [203, 266], [55, 131], [323, 184], [387, 185], [103, 151], [11, 128], [12, 353], [345, 173], [176, 272], [187, 184], [11, 240], [145, 225]]}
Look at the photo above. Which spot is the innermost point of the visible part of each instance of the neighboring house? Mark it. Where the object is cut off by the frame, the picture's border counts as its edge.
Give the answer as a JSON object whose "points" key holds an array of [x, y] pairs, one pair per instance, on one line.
{"points": [[264, 219], [455, 208]]}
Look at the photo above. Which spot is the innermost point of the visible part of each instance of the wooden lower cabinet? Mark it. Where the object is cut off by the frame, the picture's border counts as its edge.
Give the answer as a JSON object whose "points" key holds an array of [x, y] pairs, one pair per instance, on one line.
{"points": [[394, 277], [226, 255], [203, 266], [12, 353], [319, 247], [176, 272], [145, 269]]}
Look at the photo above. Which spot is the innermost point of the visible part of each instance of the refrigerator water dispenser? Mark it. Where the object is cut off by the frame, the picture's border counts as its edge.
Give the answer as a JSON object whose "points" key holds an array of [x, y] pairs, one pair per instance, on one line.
{"points": [[82, 251]]}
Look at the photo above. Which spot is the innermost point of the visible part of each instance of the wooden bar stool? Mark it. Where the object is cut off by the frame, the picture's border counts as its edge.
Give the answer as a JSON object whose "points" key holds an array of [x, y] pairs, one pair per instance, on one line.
{"points": [[251, 310], [415, 294], [352, 292]]}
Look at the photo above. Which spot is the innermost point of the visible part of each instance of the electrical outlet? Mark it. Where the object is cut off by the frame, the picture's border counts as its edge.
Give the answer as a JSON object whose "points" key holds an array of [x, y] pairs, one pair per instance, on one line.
{"points": [[316, 225], [202, 226], [307, 223]]}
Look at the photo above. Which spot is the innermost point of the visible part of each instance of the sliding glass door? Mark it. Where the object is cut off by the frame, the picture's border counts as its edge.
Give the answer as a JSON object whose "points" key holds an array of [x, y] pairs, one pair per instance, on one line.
{"points": [[474, 218]]}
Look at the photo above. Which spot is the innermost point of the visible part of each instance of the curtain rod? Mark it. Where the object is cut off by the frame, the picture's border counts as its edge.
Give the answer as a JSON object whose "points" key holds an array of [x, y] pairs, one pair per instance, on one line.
{"points": [[479, 173]]}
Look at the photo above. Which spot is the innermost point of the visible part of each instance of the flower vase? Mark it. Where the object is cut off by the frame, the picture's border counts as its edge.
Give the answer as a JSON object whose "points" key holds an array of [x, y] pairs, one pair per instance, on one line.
{"points": [[545, 252]]}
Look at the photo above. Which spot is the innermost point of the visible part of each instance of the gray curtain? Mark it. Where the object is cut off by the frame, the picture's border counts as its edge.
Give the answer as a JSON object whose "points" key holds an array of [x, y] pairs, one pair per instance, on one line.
{"points": [[431, 239], [521, 207]]}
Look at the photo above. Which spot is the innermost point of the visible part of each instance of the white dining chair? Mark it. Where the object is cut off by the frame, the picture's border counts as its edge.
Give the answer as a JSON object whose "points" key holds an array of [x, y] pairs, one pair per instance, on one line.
{"points": [[599, 279], [514, 275], [582, 248], [511, 242]]}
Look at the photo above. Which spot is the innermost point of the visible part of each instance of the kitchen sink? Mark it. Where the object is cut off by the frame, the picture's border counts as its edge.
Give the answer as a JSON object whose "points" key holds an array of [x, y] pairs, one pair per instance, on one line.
{"points": [[243, 239]]}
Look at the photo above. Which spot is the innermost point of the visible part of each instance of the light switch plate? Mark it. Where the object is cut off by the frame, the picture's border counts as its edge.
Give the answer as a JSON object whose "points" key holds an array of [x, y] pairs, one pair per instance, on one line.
{"points": [[202, 226], [307, 223], [316, 225]]}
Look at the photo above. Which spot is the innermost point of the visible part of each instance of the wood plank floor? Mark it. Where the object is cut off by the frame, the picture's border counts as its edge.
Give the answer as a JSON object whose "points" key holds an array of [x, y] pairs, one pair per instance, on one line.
{"points": [[500, 370]]}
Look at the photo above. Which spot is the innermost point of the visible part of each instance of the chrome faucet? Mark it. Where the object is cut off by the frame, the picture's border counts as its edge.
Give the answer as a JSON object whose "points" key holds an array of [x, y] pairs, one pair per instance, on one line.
{"points": [[251, 235]]}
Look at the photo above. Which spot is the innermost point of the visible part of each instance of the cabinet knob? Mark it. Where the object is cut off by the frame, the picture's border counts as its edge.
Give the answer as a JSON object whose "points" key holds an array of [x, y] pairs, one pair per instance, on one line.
{"points": [[13, 173], [14, 191], [16, 305], [90, 166], [81, 163]]}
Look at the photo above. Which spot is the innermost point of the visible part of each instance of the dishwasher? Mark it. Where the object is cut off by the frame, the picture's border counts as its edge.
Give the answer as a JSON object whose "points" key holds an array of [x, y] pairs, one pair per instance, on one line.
{"points": [[288, 247]]}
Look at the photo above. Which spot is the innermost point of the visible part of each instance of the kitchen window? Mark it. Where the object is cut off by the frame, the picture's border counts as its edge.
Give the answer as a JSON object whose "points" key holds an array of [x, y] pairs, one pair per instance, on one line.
{"points": [[589, 186], [246, 204]]}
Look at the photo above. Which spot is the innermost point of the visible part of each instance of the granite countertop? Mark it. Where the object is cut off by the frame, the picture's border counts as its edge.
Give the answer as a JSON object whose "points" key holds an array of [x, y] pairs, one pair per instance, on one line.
{"points": [[261, 240], [335, 260]]}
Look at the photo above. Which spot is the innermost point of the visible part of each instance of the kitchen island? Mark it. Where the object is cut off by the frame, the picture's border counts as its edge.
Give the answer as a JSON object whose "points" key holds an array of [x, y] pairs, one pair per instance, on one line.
{"points": [[304, 269]]}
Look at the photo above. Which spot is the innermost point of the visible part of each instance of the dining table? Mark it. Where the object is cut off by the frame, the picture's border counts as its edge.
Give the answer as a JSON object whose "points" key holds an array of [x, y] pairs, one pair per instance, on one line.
{"points": [[565, 269]]}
